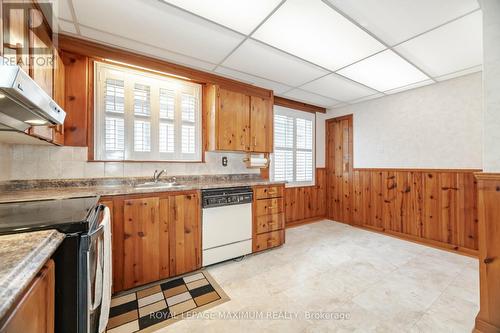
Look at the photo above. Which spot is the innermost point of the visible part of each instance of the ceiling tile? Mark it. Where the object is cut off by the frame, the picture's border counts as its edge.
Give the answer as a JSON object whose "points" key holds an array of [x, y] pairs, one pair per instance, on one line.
{"points": [[156, 23], [242, 16], [278, 88], [467, 71], [66, 26], [395, 21], [337, 87], [307, 97], [384, 71], [367, 98], [261, 60], [63, 10], [310, 29], [450, 48], [410, 86], [145, 49]]}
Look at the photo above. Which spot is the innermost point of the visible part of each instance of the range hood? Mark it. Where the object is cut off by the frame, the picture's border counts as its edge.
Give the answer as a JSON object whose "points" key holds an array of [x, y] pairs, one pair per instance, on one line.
{"points": [[23, 103]]}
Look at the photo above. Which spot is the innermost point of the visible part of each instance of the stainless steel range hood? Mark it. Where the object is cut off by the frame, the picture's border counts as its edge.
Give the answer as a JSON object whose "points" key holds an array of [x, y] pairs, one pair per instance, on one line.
{"points": [[23, 103]]}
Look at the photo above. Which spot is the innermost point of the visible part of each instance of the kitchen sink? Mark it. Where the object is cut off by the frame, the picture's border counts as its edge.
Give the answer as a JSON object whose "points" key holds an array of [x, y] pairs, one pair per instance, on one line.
{"points": [[159, 185]]}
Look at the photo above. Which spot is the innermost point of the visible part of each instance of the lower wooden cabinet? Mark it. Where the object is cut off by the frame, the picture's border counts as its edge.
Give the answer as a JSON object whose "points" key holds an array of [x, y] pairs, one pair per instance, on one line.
{"points": [[35, 310], [268, 217], [155, 236]]}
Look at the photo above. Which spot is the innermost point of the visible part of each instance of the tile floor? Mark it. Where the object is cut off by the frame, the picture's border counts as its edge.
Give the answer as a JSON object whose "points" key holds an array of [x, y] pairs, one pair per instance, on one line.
{"points": [[328, 269]]}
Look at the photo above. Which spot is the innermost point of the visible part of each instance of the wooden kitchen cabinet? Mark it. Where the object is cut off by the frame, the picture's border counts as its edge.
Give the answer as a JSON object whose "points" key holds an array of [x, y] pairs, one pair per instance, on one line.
{"points": [[236, 121], [261, 124], [27, 40], [268, 217], [35, 310], [155, 236], [185, 233]]}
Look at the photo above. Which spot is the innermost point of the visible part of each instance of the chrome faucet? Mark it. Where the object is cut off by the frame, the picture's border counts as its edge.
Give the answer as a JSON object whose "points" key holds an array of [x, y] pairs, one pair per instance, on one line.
{"points": [[156, 175]]}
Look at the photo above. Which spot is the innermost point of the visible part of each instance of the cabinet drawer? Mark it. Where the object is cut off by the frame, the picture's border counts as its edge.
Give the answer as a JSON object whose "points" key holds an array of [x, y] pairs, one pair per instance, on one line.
{"points": [[269, 240], [268, 206], [268, 192], [272, 222]]}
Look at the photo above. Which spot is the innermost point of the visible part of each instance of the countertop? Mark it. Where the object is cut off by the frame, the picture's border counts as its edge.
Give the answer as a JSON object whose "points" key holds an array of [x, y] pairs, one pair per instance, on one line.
{"points": [[22, 256], [75, 190]]}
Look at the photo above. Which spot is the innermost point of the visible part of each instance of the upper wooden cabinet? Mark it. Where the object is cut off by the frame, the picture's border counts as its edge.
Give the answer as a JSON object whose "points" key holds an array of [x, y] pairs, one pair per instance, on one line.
{"points": [[237, 121], [155, 236], [27, 40]]}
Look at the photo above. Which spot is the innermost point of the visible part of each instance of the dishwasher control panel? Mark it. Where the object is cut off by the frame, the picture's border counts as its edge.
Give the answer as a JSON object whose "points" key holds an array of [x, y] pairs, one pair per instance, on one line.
{"points": [[226, 196]]}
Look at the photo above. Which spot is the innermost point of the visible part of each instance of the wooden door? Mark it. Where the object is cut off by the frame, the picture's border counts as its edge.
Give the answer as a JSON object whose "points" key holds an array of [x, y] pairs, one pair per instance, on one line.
{"points": [[339, 168], [184, 233], [261, 125], [233, 124], [35, 310], [141, 251]]}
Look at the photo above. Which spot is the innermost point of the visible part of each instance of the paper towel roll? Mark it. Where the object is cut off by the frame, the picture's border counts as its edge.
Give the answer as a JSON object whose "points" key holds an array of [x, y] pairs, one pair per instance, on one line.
{"points": [[258, 162]]}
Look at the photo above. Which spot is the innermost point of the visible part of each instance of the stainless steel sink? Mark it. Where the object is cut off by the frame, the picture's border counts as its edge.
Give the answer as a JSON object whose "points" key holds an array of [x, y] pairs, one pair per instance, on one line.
{"points": [[159, 185]]}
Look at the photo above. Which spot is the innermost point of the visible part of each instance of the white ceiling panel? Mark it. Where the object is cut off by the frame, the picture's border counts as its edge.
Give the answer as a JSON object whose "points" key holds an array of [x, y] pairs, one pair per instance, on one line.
{"points": [[66, 26], [63, 10], [467, 71], [450, 48], [337, 87], [395, 21], [384, 71], [307, 97], [242, 15], [156, 23], [367, 98], [278, 88], [264, 61], [149, 50], [313, 31], [410, 86]]}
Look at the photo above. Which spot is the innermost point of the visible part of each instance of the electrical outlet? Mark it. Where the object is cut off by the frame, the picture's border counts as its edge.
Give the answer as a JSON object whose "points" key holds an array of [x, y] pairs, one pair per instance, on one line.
{"points": [[224, 161]]}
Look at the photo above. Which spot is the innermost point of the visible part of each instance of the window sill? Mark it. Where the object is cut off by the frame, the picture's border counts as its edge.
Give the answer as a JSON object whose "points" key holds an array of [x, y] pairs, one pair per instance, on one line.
{"points": [[308, 184]]}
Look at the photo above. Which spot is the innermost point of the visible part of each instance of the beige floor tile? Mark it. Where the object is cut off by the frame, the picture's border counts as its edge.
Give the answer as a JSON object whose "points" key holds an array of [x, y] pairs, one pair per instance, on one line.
{"points": [[197, 284], [152, 308], [122, 299]]}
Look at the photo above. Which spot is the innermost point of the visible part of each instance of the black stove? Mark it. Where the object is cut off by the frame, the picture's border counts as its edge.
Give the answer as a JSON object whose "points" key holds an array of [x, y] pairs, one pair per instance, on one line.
{"points": [[66, 215]]}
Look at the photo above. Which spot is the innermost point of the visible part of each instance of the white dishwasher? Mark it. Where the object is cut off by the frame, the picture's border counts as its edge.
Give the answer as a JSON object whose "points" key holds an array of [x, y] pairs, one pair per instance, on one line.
{"points": [[227, 223]]}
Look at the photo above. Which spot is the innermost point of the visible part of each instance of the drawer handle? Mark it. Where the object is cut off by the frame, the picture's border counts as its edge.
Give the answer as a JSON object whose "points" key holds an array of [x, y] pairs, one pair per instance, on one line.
{"points": [[488, 260]]}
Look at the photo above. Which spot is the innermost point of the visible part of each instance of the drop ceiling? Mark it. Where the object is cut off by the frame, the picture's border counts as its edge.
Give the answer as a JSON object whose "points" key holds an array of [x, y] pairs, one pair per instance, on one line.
{"points": [[323, 52]]}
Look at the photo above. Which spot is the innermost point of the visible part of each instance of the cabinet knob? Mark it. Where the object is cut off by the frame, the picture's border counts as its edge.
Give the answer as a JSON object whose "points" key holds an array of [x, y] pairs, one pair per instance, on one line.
{"points": [[488, 260]]}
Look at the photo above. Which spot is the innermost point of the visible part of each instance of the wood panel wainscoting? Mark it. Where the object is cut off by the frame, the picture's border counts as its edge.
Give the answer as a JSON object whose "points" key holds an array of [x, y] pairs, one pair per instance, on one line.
{"points": [[488, 319], [306, 203], [437, 207]]}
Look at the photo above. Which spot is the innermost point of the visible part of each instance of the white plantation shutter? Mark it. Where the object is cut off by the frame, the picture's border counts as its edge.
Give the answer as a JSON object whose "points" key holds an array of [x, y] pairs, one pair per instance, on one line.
{"points": [[293, 158], [142, 116]]}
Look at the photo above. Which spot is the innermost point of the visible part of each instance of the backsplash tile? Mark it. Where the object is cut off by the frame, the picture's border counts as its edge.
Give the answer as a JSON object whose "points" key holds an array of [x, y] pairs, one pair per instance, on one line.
{"points": [[22, 162]]}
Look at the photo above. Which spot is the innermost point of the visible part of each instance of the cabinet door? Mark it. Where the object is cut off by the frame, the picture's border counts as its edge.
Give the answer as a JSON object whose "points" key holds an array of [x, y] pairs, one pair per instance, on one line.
{"points": [[261, 125], [35, 310], [42, 53], [233, 121], [141, 251], [185, 233]]}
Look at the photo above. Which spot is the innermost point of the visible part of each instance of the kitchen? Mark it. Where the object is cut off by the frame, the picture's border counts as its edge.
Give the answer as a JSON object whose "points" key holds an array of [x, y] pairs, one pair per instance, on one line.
{"points": [[177, 167]]}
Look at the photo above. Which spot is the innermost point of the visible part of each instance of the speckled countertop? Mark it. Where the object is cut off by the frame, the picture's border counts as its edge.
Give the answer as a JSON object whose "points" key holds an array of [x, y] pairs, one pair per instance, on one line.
{"points": [[15, 191], [21, 257]]}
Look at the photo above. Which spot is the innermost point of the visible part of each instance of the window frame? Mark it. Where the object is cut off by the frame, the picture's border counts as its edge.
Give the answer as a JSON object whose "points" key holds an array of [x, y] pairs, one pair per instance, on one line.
{"points": [[131, 77], [296, 114]]}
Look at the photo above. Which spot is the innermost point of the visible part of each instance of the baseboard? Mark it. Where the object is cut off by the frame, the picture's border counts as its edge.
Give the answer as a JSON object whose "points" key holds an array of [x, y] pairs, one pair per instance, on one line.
{"points": [[485, 327], [298, 223], [418, 240]]}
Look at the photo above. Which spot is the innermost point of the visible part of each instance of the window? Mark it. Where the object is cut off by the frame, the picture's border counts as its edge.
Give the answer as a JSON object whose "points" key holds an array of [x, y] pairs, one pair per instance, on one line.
{"points": [[145, 117], [293, 158]]}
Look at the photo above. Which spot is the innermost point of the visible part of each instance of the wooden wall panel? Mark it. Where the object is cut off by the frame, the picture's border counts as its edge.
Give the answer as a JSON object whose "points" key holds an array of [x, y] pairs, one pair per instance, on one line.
{"points": [[433, 206], [307, 202]]}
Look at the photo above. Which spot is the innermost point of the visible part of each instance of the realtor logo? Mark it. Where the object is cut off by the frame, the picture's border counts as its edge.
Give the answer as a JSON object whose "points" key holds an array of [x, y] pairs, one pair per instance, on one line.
{"points": [[27, 38]]}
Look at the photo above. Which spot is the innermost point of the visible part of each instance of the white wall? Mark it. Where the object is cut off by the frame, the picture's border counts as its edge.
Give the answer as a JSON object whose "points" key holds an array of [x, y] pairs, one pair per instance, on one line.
{"points": [[51, 162], [491, 44], [320, 140], [5, 161], [437, 126]]}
